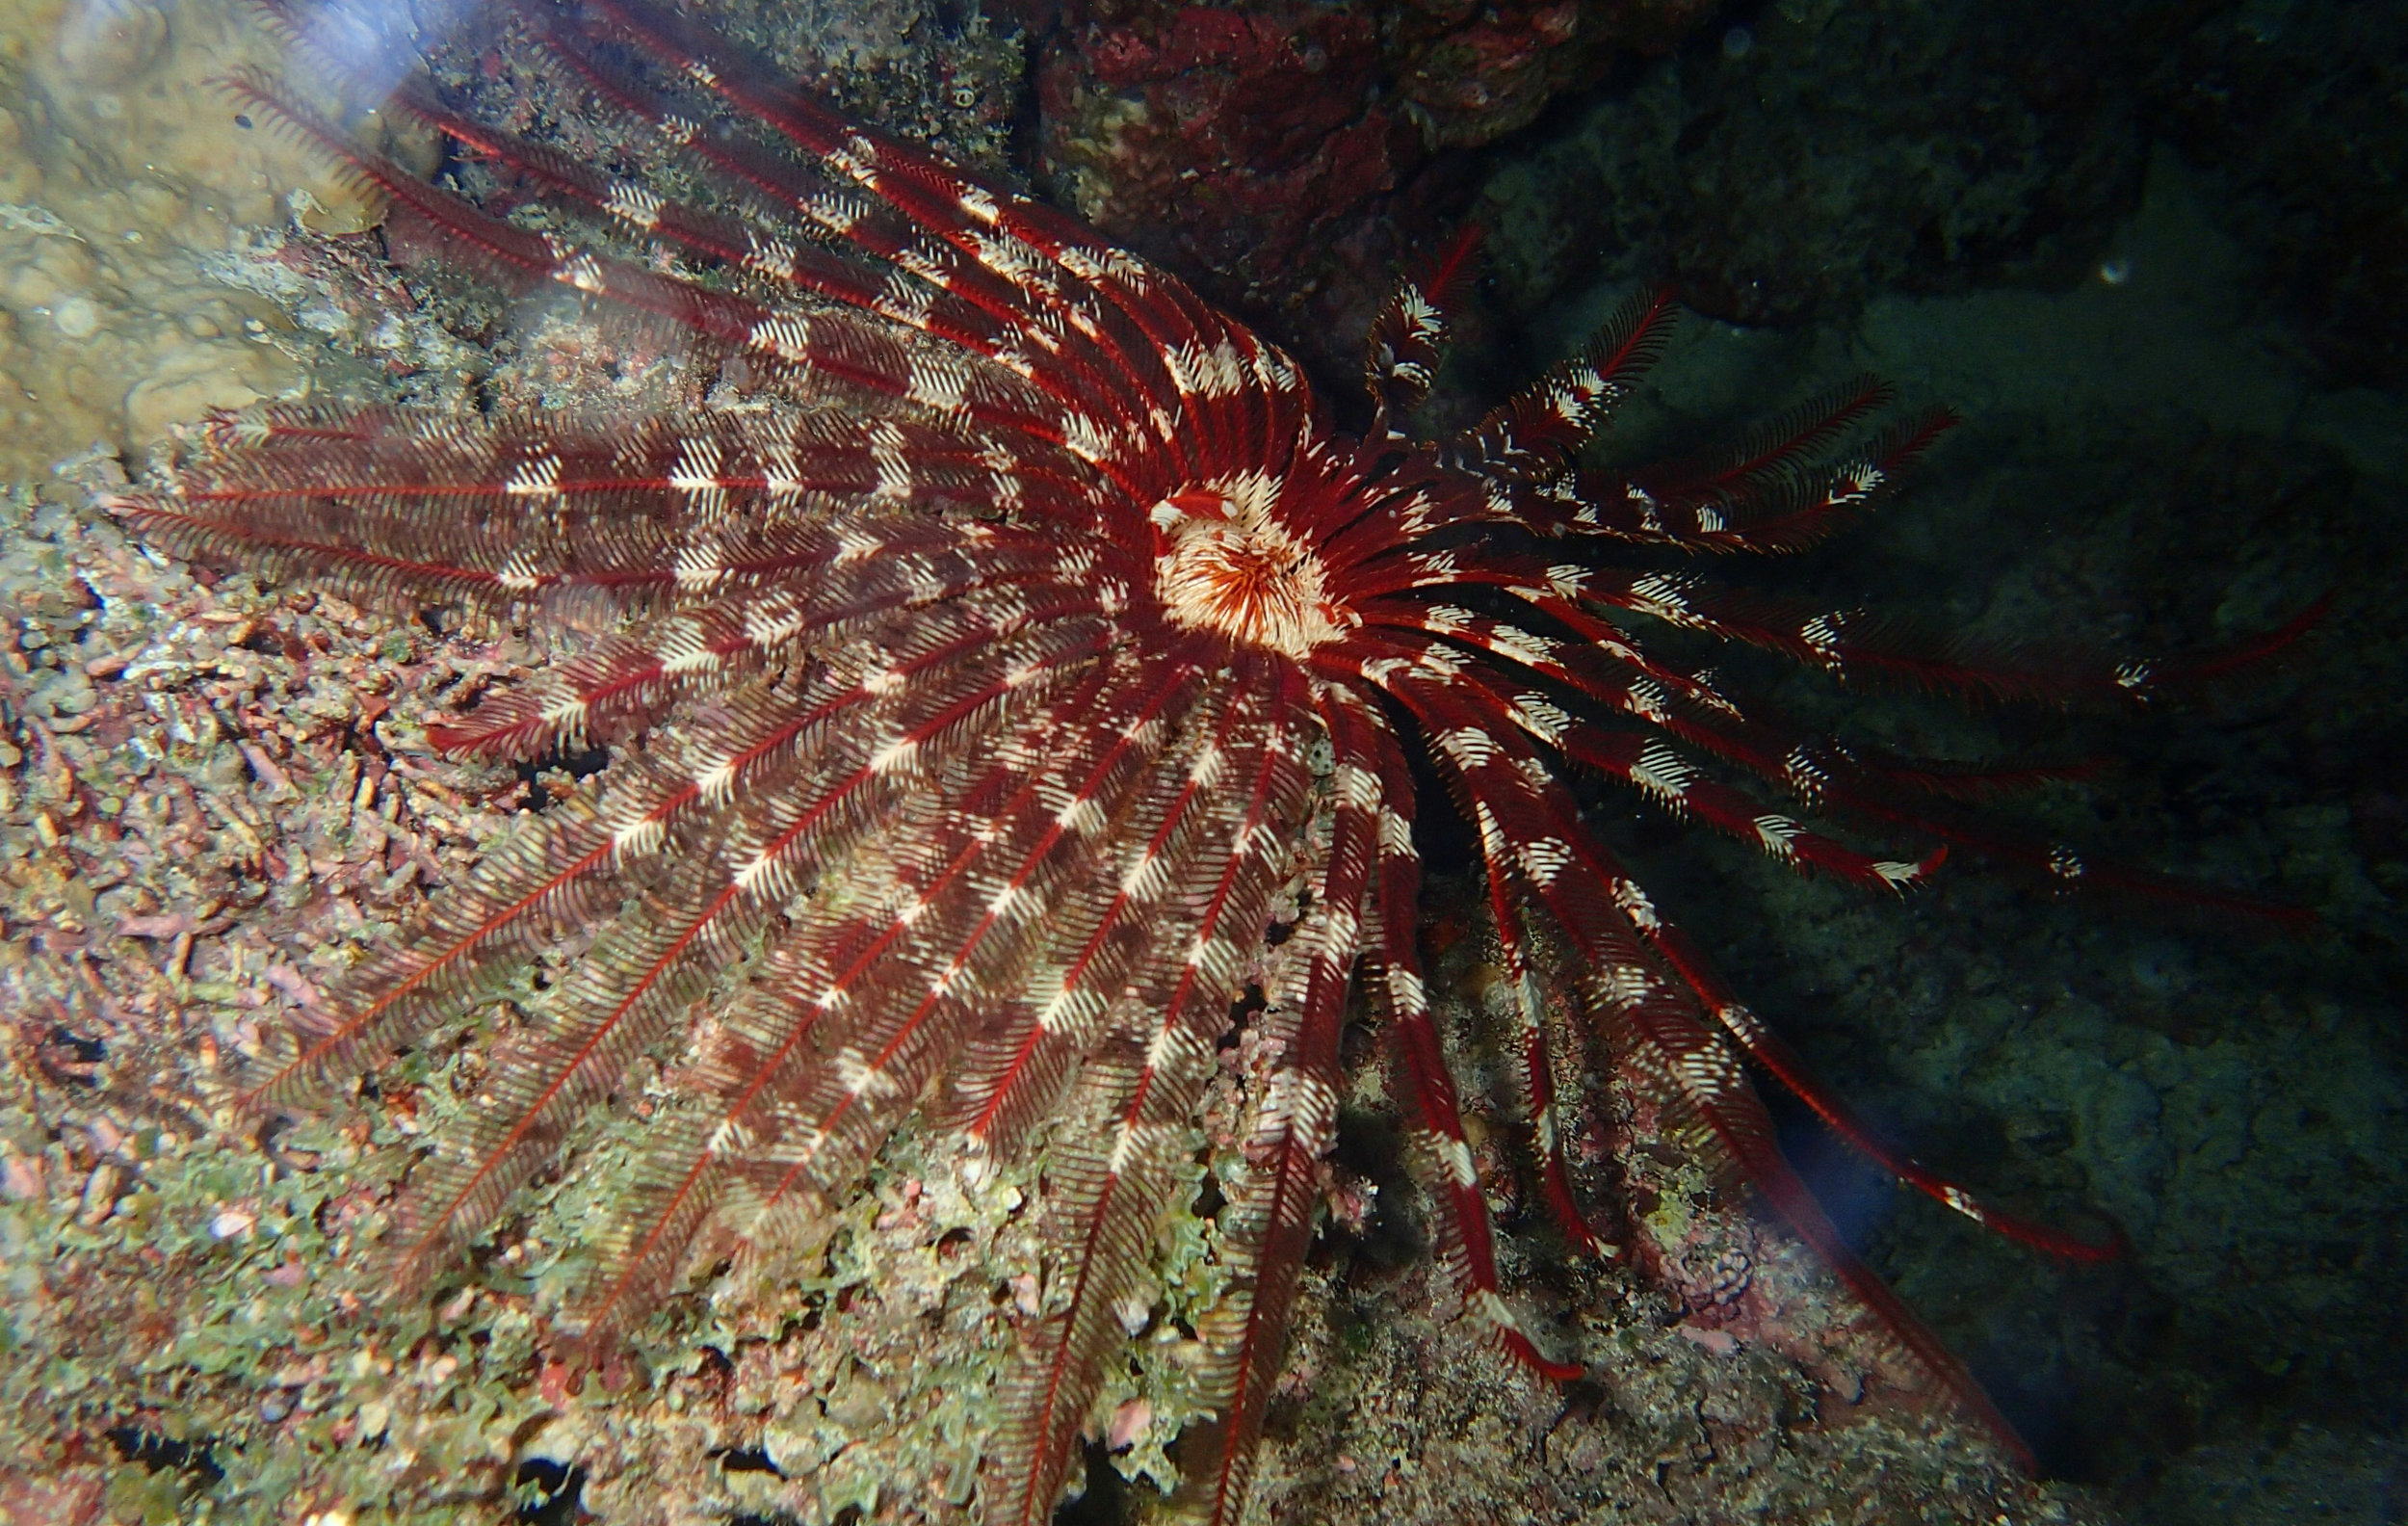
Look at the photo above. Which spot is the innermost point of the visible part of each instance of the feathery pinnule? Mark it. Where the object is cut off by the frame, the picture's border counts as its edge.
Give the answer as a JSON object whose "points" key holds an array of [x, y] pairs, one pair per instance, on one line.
{"points": [[976, 683]]}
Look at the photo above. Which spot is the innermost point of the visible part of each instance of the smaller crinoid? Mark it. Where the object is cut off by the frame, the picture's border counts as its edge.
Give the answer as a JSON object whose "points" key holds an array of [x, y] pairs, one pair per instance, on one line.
{"points": [[1008, 665]]}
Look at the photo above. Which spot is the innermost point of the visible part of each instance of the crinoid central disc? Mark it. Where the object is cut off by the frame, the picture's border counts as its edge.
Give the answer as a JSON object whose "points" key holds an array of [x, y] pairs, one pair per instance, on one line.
{"points": [[1225, 562]]}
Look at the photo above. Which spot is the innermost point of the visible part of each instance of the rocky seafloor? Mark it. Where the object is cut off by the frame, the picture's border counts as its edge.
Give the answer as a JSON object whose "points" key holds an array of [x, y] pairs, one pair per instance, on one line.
{"points": [[213, 794]]}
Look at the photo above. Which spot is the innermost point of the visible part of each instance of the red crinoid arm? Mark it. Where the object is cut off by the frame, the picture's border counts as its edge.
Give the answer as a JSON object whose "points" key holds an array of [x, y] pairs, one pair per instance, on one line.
{"points": [[267, 425], [1660, 1028], [1404, 346], [1609, 666], [1529, 1007], [1111, 1183], [1011, 1074], [1532, 437], [2066, 866], [1913, 796], [2072, 869], [1508, 470], [1267, 1225], [1785, 504], [533, 462], [1735, 474], [515, 526], [2145, 678], [1419, 497], [1850, 645], [1606, 665], [1696, 1075], [1671, 781], [1373, 498], [720, 514], [1496, 713]]}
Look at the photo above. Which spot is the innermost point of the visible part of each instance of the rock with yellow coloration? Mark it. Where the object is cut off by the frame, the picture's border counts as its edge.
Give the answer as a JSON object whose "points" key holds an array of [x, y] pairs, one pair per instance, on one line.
{"points": [[128, 181]]}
